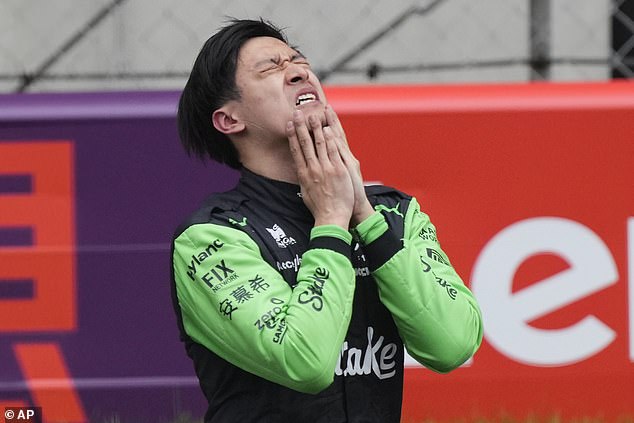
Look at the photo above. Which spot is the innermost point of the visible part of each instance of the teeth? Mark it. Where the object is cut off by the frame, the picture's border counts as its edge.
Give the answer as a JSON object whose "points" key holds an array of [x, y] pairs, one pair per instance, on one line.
{"points": [[305, 98]]}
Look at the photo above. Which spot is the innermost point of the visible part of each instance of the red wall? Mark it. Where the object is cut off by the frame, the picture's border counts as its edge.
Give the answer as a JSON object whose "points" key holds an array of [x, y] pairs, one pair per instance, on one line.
{"points": [[531, 188]]}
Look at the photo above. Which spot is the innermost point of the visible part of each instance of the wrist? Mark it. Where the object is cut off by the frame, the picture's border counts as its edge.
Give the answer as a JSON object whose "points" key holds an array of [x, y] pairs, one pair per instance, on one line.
{"points": [[362, 212], [340, 222], [371, 228], [340, 219]]}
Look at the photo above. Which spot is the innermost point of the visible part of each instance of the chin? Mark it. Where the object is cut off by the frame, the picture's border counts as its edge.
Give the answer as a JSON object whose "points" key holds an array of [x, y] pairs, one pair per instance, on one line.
{"points": [[315, 108]]}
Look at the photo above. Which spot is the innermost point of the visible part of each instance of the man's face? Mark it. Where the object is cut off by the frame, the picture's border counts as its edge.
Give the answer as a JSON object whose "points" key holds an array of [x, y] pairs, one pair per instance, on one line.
{"points": [[273, 80]]}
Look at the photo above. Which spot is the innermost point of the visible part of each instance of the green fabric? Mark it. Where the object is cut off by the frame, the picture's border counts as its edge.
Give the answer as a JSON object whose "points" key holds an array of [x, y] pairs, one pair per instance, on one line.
{"points": [[371, 228], [238, 306], [332, 231], [234, 303], [437, 316]]}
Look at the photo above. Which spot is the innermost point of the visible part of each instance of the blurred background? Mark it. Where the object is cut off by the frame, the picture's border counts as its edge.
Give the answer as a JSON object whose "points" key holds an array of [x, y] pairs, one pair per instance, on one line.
{"points": [[151, 44]]}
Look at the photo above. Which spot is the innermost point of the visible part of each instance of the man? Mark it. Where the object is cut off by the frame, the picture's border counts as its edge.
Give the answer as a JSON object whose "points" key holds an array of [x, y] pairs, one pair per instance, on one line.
{"points": [[296, 291]]}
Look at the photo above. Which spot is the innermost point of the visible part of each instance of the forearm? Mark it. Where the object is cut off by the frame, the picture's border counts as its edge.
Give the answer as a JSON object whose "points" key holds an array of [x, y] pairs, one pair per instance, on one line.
{"points": [[437, 316], [289, 336]]}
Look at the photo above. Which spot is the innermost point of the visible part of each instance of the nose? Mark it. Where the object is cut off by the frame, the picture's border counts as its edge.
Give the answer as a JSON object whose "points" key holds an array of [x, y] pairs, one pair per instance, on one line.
{"points": [[296, 73]]}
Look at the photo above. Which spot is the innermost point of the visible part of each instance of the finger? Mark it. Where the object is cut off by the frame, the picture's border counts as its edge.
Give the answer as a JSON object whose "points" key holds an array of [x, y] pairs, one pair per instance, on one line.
{"points": [[333, 121], [320, 141], [350, 162], [293, 143], [331, 146], [304, 138], [344, 151], [340, 137]]}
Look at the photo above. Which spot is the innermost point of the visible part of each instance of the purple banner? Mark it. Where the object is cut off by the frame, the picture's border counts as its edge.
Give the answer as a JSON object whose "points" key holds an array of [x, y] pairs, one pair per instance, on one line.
{"points": [[93, 186]]}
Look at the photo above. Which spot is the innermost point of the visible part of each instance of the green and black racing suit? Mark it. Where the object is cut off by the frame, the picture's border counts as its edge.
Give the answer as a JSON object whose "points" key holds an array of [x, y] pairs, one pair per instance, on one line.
{"points": [[286, 322]]}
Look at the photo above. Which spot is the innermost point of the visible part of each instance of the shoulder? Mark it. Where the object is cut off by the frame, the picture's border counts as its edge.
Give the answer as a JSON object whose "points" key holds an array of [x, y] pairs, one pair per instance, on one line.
{"points": [[380, 194], [218, 208]]}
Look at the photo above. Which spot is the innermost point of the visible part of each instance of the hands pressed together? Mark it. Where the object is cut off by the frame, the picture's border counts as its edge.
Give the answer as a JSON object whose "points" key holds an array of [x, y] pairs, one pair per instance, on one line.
{"points": [[329, 174]]}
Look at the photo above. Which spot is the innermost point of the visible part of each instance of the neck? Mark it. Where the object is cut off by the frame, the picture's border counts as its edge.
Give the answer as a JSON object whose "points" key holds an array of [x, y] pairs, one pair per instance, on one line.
{"points": [[273, 163]]}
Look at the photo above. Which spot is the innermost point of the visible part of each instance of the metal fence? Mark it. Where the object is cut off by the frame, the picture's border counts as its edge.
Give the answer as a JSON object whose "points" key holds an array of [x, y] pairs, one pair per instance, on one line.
{"points": [[622, 58], [151, 44]]}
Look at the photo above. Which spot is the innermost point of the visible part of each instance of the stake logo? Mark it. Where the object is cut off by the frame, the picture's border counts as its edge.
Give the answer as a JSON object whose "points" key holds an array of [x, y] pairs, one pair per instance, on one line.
{"points": [[313, 295], [375, 358]]}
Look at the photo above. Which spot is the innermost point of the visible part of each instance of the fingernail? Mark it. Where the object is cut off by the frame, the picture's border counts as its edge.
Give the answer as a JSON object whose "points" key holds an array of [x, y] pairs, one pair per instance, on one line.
{"points": [[296, 113]]}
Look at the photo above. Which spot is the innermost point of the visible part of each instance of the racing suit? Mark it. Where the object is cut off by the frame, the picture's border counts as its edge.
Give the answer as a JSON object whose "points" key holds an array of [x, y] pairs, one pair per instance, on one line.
{"points": [[289, 322]]}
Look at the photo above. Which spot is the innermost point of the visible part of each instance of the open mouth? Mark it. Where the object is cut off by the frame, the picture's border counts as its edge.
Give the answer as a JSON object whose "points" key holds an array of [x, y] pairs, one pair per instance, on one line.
{"points": [[305, 99]]}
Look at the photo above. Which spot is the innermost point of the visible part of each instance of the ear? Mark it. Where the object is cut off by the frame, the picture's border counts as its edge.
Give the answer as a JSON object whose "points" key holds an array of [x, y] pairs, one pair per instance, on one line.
{"points": [[225, 122]]}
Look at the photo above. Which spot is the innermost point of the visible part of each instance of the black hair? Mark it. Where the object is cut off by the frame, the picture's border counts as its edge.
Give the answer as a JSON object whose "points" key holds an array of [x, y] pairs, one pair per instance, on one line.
{"points": [[212, 83]]}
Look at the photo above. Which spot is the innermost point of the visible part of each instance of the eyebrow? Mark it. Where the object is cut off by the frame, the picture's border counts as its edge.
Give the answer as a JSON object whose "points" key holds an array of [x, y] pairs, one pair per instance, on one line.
{"points": [[276, 59]]}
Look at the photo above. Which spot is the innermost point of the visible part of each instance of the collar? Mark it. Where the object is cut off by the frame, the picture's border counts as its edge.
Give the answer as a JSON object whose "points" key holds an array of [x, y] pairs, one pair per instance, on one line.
{"points": [[278, 196]]}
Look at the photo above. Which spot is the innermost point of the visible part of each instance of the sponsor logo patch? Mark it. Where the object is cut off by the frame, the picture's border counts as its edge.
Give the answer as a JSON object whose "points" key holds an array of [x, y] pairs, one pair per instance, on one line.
{"points": [[428, 234], [451, 291], [314, 294], [383, 207], [437, 256], [290, 264], [280, 236], [376, 358], [198, 258], [219, 275]]}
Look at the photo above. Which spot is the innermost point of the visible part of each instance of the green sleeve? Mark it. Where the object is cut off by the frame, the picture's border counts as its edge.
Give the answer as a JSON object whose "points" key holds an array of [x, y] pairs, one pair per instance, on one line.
{"points": [[238, 306], [437, 316]]}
